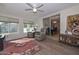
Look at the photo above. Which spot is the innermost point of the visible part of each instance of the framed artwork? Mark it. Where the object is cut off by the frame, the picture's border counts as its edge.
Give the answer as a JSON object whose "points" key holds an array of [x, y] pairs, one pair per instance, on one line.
{"points": [[72, 21]]}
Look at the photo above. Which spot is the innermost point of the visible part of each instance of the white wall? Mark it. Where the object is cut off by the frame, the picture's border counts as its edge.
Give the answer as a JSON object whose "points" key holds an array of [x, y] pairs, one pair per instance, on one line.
{"points": [[39, 22], [64, 13], [12, 36], [63, 16], [20, 32], [20, 21]]}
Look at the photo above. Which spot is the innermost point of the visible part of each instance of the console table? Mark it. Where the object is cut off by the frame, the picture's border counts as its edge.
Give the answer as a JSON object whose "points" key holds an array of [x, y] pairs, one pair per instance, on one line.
{"points": [[69, 39]]}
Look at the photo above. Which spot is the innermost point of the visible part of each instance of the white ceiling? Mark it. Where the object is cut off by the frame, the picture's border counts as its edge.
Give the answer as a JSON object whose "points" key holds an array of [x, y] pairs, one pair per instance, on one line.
{"points": [[18, 9]]}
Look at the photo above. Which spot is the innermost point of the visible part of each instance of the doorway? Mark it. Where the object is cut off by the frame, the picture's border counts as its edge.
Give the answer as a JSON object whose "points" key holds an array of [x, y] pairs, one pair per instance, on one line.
{"points": [[55, 26], [52, 26]]}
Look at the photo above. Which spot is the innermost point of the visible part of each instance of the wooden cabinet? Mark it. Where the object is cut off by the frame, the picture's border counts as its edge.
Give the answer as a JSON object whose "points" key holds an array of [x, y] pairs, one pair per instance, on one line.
{"points": [[69, 39]]}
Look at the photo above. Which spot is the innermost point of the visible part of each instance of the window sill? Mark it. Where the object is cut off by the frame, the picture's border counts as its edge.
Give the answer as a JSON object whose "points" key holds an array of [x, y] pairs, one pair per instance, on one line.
{"points": [[8, 33]]}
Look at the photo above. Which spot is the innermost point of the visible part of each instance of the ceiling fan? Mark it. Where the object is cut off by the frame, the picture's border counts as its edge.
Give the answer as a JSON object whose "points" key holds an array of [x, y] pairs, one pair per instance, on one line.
{"points": [[34, 8]]}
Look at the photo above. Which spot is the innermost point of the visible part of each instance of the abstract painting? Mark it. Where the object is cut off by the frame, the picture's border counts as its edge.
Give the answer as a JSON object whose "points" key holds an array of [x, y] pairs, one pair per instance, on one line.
{"points": [[71, 21]]}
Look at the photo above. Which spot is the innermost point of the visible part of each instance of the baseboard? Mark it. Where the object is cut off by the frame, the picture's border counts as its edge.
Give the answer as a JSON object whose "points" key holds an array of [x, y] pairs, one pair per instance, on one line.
{"points": [[16, 39]]}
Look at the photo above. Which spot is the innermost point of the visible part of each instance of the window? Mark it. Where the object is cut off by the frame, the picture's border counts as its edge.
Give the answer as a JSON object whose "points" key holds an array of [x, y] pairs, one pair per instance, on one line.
{"points": [[6, 27], [13, 27], [28, 27], [3, 27]]}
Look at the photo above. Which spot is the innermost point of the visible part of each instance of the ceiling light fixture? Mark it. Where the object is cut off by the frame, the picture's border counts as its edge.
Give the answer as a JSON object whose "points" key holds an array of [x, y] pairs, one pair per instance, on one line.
{"points": [[54, 22], [34, 7], [34, 10]]}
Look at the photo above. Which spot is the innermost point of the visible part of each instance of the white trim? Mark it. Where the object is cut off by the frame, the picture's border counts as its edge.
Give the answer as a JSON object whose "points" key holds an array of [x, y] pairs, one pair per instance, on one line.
{"points": [[51, 14]]}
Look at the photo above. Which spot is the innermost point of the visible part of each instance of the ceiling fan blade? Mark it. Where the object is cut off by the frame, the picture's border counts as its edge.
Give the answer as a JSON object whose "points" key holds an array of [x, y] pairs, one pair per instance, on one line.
{"points": [[41, 10], [29, 5], [40, 6], [28, 9]]}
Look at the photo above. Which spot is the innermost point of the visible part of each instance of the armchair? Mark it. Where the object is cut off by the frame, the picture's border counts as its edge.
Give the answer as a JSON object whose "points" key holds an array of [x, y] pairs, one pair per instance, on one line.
{"points": [[40, 35]]}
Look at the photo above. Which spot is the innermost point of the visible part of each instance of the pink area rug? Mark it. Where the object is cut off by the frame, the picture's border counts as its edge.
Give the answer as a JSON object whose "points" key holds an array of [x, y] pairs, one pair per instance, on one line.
{"points": [[25, 46]]}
